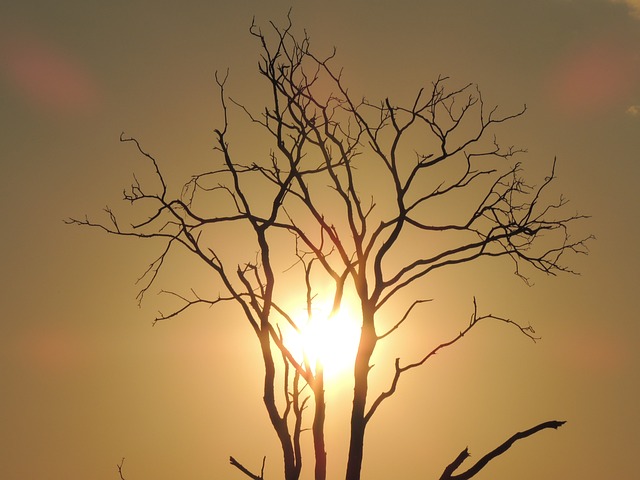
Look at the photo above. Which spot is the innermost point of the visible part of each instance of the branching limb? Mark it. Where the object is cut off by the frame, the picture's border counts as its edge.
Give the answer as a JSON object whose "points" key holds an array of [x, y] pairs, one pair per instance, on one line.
{"points": [[190, 302], [399, 370], [404, 317], [246, 471], [151, 158], [120, 467], [448, 473]]}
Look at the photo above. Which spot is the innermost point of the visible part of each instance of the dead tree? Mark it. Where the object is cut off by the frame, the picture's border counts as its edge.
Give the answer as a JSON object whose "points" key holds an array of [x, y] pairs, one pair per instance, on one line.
{"points": [[348, 181]]}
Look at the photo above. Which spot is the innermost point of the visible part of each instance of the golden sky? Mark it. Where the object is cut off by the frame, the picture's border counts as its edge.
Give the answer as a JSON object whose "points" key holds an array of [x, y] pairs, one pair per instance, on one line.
{"points": [[87, 381]]}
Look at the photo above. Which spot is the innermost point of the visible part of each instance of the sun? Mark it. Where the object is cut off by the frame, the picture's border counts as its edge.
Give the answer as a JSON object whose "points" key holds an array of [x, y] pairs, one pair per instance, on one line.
{"points": [[330, 341]]}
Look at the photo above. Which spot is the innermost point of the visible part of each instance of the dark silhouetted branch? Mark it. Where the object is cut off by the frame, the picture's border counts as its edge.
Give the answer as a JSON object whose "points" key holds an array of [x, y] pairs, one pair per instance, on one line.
{"points": [[448, 473], [528, 331], [246, 471], [120, 467]]}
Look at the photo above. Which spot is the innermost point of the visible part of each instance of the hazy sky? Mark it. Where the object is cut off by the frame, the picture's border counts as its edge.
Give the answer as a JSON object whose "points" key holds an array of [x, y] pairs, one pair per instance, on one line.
{"points": [[85, 379]]}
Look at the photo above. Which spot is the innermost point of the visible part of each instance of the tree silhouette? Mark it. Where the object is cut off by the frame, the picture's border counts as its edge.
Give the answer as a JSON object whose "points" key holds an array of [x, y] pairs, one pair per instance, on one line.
{"points": [[368, 198]]}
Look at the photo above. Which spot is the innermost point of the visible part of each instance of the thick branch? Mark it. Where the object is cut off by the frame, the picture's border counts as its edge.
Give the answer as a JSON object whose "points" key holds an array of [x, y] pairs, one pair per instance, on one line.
{"points": [[448, 473], [246, 471]]}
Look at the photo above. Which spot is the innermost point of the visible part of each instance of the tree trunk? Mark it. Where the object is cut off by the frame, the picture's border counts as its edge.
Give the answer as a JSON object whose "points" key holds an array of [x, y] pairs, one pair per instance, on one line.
{"points": [[318, 426], [291, 470], [361, 384]]}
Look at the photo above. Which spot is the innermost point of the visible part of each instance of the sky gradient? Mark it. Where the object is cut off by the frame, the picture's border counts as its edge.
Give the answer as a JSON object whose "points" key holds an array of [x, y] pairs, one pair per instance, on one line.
{"points": [[85, 378]]}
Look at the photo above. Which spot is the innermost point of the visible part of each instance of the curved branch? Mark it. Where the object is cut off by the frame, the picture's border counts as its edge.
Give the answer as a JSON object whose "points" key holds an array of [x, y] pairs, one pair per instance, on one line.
{"points": [[399, 370], [448, 473]]}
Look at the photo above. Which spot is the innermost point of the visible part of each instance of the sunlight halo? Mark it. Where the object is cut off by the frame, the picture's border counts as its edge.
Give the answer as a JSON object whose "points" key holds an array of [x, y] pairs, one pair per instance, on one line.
{"points": [[330, 340]]}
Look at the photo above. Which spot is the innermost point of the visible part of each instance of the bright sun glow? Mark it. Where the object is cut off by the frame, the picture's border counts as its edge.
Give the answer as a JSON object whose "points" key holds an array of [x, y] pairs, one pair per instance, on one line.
{"points": [[332, 341]]}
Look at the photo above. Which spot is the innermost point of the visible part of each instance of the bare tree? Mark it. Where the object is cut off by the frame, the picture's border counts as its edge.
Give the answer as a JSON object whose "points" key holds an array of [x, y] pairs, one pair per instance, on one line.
{"points": [[351, 194]]}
